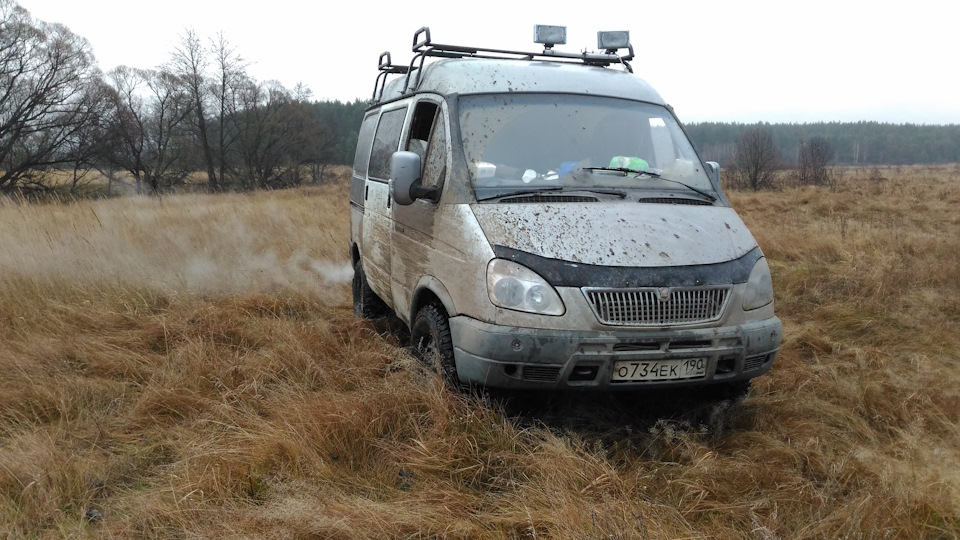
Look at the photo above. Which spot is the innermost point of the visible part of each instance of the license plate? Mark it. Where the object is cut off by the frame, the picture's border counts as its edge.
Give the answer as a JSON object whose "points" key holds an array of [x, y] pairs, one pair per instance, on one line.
{"points": [[659, 370]]}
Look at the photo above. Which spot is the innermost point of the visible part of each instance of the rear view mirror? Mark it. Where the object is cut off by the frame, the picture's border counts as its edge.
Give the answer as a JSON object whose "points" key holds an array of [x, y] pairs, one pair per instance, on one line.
{"points": [[713, 169], [405, 179], [404, 172]]}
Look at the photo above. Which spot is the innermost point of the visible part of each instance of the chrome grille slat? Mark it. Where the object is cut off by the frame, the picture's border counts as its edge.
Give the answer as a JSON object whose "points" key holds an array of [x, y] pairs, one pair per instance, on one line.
{"points": [[644, 307]]}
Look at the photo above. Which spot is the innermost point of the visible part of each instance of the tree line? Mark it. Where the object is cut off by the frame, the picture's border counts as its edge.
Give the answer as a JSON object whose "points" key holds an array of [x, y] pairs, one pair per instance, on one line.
{"points": [[853, 143], [201, 111]]}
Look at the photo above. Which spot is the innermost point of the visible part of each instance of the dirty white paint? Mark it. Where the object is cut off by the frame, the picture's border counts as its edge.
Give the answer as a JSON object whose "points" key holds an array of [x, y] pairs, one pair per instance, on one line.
{"points": [[622, 234]]}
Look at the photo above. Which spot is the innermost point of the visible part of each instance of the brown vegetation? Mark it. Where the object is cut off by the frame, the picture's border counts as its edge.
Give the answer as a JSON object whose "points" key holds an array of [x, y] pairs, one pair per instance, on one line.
{"points": [[190, 367]]}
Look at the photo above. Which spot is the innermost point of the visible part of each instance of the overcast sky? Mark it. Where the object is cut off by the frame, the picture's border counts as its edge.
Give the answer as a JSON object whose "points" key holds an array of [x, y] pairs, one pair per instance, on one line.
{"points": [[796, 61]]}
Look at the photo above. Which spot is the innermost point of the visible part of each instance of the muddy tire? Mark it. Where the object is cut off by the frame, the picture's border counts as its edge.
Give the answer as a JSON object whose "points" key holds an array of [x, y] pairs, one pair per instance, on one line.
{"points": [[432, 344], [366, 303]]}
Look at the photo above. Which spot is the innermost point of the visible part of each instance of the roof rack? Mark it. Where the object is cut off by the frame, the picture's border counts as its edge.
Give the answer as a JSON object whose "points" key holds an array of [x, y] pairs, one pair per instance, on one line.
{"points": [[424, 47], [385, 68]]}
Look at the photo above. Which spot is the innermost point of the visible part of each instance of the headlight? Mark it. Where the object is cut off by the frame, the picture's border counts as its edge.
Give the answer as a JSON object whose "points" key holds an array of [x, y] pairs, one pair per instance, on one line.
{"points": [[516, 287], [759, 287]]}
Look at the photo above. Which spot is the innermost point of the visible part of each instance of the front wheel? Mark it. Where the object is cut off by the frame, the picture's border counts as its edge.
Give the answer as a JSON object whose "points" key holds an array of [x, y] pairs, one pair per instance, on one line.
{"points": [[432, 343]]}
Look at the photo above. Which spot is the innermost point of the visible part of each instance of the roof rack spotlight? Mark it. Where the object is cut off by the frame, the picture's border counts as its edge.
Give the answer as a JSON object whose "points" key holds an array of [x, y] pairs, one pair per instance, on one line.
{"points": [[612, 40], [549, 35]]}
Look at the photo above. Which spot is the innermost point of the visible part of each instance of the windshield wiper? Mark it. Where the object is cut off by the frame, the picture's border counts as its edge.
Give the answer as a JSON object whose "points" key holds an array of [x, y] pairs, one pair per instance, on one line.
{"points": [[615, 192], [525, 191], [691, 188], [624, 170], [601, 191], [627, 171]]}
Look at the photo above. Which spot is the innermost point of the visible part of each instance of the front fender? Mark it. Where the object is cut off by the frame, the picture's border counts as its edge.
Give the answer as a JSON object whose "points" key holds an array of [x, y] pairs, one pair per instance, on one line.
{"points": [[430, 286]]}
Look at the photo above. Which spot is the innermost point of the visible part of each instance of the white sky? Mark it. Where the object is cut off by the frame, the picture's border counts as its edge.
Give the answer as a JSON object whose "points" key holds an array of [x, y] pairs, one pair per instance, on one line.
{"points": [[734, 60]]}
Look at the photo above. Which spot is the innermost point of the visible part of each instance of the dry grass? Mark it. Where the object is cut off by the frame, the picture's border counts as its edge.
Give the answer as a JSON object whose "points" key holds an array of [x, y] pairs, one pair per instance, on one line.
{"points": [[191, 368]]}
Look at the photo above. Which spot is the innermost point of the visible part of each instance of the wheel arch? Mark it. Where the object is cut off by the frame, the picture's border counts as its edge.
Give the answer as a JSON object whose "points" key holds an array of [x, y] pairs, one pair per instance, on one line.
{"points": [[431, 290]]}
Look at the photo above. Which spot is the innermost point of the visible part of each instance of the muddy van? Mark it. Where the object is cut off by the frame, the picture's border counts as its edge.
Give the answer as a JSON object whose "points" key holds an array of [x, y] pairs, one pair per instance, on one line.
{"points": [[540, 220]]}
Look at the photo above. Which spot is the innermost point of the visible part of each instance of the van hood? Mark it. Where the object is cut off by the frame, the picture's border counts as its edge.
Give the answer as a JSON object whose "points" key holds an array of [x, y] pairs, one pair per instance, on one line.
{"points": [[620, 234]]}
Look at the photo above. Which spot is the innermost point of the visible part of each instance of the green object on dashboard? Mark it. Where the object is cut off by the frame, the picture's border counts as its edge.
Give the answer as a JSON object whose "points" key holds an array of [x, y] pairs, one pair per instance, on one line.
{"points": [[632, 163]]}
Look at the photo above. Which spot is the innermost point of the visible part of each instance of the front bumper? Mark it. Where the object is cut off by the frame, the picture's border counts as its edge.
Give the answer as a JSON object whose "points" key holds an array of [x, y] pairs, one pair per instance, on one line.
{"points": [[526, 358]]}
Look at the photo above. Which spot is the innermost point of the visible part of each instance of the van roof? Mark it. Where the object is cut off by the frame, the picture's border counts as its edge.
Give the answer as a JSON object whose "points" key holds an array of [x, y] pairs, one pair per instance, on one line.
{"points": [[462, 70], [484, 76]]}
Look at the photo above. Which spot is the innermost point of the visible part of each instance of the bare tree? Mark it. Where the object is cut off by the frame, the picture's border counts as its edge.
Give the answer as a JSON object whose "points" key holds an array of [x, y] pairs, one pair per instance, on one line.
{"points": [[813, 158], [58, 112], [755, 159], [48, 92], [147, 117], [278, 134], [169, 143], [189, 64], [128, 138], [231, 76], [88, 144]]}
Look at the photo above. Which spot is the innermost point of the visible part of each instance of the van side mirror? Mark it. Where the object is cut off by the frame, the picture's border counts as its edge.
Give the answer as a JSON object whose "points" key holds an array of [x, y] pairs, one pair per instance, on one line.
{"points": [[713, 169], [405, 179], [404, 171]]}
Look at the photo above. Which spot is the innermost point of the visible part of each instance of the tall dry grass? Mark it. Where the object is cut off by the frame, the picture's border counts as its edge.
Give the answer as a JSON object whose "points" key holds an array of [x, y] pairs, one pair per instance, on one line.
{"points": [[191, 368]]}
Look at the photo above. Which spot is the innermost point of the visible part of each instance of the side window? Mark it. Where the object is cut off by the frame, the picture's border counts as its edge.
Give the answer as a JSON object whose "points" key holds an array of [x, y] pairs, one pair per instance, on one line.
{"points": [[362, 159], [428, 139], [385, 143]]}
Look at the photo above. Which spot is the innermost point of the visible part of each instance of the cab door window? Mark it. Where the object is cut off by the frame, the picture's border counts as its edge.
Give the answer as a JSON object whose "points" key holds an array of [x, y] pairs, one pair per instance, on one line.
{"points": [[428, 138]]}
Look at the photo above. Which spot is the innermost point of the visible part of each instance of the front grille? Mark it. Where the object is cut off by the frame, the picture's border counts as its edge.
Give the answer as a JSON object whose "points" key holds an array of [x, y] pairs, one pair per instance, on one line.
{"points": [[658, 307]]}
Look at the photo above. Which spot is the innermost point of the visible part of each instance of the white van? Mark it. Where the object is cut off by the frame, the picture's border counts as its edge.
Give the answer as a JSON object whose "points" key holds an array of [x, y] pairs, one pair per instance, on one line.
{"points": [[541, 221]]}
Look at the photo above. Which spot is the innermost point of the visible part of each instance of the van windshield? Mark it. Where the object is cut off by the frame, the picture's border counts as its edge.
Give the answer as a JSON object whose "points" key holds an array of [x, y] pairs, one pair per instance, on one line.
{"points": [[516, 142]]}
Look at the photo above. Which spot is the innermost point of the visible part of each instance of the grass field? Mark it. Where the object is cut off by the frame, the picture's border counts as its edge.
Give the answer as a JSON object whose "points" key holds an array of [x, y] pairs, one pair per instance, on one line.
{"points": [[190, 367]]}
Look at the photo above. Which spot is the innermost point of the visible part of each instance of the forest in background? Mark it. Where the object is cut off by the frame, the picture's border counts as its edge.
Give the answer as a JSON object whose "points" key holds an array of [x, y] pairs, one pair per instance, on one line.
{"points": [[201, 120], [855, 143]]}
